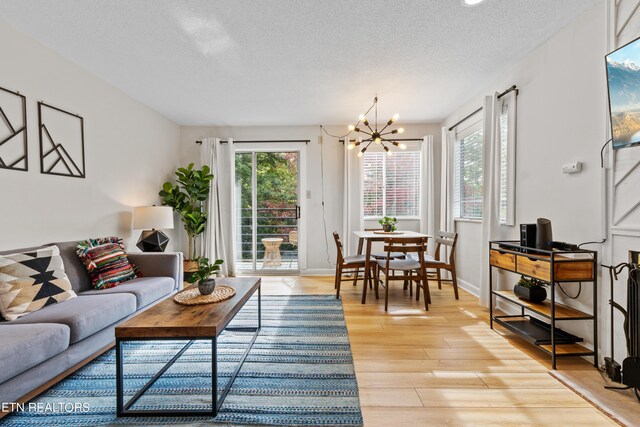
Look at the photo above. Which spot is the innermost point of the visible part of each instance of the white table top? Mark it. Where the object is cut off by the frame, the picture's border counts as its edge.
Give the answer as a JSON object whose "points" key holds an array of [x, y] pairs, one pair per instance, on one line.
{"points": [[371, 235]]}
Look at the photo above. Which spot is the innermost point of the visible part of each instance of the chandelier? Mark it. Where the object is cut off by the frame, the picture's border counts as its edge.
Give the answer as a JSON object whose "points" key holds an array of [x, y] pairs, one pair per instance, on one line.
{"points": [[373, 135]]}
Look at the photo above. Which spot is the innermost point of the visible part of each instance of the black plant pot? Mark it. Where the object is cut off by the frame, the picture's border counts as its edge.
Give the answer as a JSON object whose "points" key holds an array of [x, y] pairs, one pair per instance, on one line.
{"points": [[535, 294], [387, 228], [207, 286]]}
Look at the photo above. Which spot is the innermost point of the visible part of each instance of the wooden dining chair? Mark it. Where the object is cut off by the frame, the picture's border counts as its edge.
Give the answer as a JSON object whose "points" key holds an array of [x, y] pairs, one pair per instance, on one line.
{"points": [[383, 255], [407, 267], [447, 241], [377, 255], [350, 265]]}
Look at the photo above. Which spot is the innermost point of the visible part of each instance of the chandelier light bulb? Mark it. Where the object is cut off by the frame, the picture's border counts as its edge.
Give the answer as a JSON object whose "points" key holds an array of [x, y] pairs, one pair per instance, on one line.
{"points": [[395, 117], [402, 146], [352, 128], [351, 146], [400, 130], [361, 117], [377, 140], [359, 153], [389, 153]]}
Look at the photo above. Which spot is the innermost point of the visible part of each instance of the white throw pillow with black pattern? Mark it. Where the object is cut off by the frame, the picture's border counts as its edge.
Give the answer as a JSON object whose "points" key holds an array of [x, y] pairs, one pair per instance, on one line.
{"points": [[32, 280]]}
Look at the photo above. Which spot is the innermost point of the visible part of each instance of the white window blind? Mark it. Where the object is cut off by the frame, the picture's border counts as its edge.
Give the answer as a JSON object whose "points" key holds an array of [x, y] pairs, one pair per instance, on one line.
{"points": [[391, 184], [468, 172], [507, 122], [504, 149]]}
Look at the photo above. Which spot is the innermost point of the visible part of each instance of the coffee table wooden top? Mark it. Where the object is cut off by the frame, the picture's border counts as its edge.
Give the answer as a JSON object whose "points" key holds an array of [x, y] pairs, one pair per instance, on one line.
{"points": [[168, 319]]}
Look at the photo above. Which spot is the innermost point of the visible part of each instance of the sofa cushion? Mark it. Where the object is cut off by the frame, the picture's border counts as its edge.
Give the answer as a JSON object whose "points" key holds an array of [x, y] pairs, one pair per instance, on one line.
{"points": [[106, 261], [30, 281], [84, 315], [25, 346], [74, 268], [145, 289]]}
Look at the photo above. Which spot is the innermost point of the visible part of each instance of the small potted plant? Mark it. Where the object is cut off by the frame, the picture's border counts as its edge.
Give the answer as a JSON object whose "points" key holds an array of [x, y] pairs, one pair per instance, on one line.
{"points": [[206, 284], [388, 224], [530, 289]]}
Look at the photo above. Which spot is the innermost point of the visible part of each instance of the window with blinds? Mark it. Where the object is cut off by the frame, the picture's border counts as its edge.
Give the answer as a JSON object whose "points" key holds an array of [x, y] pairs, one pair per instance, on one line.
{"points": [[391, 184], [468, 172], [507, 129], [504, 162]]}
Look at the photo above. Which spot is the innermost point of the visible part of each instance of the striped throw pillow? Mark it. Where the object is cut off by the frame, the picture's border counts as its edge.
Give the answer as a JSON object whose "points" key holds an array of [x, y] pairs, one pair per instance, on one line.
{"points": [[106, 262]]}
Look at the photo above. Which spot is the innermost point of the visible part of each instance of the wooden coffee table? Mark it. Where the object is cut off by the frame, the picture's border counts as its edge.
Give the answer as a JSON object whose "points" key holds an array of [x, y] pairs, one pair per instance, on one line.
{"points": [[169, 320]]}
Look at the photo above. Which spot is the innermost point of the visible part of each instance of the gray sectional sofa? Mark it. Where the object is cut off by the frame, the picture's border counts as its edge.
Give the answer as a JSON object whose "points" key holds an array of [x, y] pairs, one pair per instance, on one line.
{"points": [[39, 346]]}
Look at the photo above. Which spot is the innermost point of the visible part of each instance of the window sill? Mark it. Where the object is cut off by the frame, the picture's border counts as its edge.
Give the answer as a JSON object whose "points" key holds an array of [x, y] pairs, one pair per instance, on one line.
{"points": [[473, 221], [399, 218]]}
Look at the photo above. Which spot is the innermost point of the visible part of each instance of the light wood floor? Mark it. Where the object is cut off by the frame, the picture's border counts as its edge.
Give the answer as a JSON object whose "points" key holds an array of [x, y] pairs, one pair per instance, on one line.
{"points": [[445, 366]]}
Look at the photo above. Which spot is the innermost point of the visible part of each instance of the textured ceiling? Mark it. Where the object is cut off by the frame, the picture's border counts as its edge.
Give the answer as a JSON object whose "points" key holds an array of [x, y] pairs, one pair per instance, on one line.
{"points": [[290, 62]]}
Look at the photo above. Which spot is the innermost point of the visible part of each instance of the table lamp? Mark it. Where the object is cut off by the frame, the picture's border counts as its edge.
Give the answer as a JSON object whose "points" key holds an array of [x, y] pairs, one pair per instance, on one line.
{"points": [[152, 219]]}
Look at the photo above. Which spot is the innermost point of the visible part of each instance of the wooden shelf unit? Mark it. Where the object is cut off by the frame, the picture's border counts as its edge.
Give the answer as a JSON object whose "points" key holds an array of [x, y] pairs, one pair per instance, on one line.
{"points": [[551, 267]]}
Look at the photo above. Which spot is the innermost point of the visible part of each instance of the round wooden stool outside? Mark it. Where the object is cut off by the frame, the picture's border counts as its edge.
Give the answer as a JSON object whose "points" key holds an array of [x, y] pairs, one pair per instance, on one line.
{"points": [[272, 252]]}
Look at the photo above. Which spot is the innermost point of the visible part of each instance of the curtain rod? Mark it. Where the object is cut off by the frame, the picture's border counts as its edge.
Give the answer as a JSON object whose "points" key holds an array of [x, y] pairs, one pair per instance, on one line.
{"points": [[306, 141], [398, 139], [500, 95]]}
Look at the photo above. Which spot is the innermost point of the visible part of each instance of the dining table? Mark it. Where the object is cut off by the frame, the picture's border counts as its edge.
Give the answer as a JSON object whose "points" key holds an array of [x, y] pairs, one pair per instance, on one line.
{"points": [[371, 236]]}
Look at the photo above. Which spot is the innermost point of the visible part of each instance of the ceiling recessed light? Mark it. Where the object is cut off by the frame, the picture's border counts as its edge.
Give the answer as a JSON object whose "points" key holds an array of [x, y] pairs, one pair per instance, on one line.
{"points": [[471, 2]]}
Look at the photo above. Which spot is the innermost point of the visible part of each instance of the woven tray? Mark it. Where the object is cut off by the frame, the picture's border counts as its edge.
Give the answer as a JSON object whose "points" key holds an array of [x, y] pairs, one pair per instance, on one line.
{"points": [[192, 296], [388, 232]]}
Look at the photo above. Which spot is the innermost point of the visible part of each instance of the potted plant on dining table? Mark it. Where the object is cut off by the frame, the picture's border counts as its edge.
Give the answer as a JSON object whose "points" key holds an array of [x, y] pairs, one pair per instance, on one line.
{"points": [[388, 224]]}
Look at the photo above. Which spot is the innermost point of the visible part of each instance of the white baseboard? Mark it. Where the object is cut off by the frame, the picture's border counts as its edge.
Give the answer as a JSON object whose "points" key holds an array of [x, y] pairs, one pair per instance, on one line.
{"points": [[318, 272], [469, 287]]}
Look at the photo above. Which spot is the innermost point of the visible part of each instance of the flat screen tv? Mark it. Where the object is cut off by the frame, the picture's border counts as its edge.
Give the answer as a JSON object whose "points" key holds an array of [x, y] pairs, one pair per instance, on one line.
{"points": [[623, 78]]}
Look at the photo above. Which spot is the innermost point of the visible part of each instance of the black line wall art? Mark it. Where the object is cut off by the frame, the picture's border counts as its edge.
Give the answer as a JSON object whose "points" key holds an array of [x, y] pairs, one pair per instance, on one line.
{"points": [[13, 131], [61, 142]]}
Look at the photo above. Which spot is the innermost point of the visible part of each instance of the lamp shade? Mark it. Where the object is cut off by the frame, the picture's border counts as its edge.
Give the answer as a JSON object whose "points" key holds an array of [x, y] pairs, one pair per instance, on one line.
{"points": [[152, 217]]}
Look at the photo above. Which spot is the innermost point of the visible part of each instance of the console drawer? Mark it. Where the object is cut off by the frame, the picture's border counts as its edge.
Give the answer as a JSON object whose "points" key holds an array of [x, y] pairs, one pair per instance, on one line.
{"points": [[534, 268], [502, 260]]}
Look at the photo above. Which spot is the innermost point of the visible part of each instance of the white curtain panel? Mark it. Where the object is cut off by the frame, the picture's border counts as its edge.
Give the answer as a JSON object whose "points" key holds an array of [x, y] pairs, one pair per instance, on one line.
{"points": [[446, 215], [428, 199], [491, 189], [219, 238], [446, 211], [353, 211]]}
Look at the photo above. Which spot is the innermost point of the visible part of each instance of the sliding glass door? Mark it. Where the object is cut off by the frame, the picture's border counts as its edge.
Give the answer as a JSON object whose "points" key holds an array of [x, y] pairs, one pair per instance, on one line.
{"points": [[267, 211]]}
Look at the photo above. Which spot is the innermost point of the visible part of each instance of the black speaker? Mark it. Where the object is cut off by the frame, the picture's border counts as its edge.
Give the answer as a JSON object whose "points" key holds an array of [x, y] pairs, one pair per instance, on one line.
{"points": [[528, 235], [544, 236]]}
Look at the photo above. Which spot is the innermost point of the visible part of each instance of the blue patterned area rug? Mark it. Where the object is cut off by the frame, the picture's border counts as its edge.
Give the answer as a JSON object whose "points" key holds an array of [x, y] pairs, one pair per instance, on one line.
{"points": [[298, 373]]}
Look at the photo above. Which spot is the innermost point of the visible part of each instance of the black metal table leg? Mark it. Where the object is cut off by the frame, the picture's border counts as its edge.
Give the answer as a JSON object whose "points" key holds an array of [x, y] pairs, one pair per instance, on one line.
{"points": [[119, 379]]}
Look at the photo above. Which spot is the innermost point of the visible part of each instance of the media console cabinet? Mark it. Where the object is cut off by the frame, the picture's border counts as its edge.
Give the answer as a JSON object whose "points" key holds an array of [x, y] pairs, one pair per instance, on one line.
{"points": [[554, 268]]}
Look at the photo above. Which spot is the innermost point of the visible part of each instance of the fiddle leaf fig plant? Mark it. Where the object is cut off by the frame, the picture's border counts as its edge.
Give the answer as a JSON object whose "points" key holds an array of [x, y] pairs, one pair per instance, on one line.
{"points": [[187, 197]]}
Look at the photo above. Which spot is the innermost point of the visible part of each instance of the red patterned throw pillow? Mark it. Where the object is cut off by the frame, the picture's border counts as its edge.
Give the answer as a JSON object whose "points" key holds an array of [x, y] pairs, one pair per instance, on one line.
{"points": [[106, 262]]}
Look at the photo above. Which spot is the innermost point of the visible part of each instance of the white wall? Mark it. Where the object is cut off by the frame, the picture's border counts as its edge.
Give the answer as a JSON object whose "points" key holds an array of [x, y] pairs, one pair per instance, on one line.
{"points": [[318, 261], [623, 179], [130, 151], [562, 117]]}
